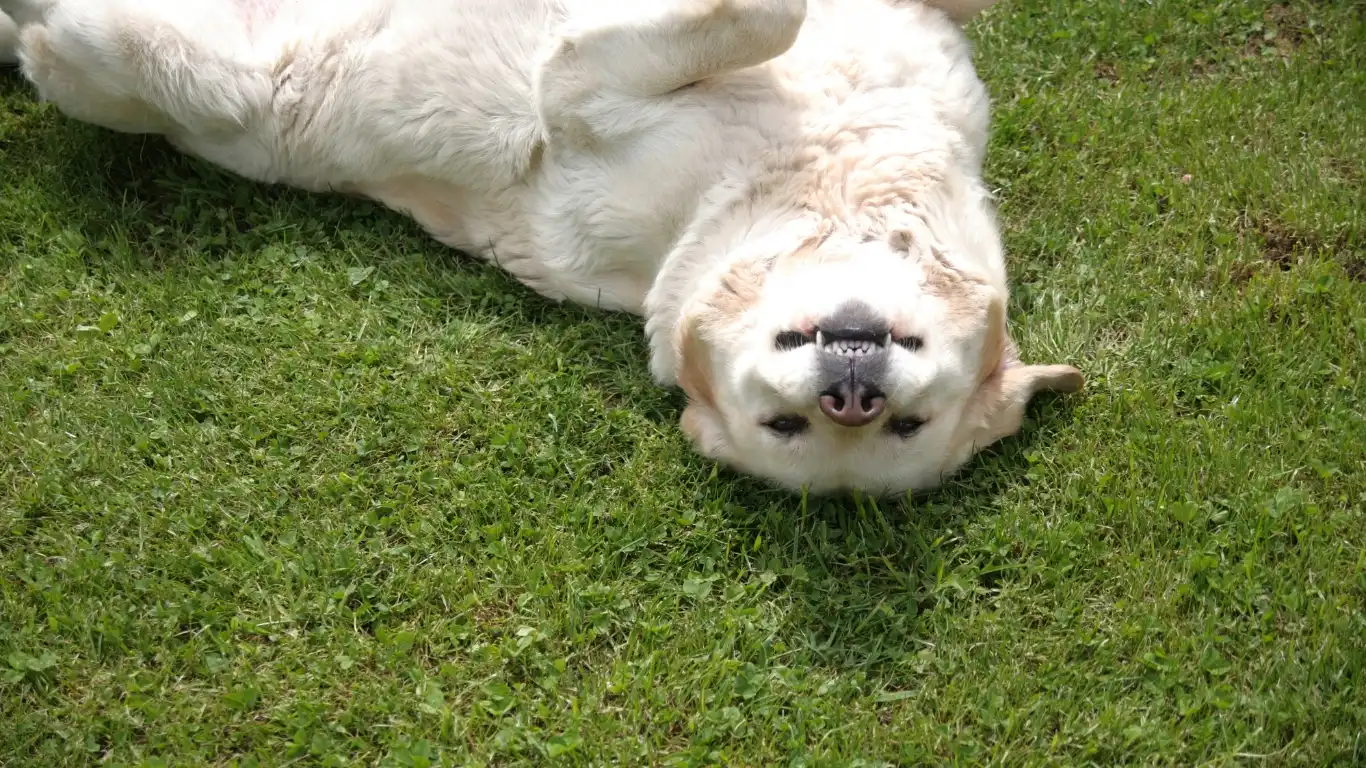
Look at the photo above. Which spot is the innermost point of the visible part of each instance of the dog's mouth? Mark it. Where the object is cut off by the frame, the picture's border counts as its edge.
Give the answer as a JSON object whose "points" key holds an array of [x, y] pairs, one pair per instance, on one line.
{"points": [[853, 346], [846, 345]]}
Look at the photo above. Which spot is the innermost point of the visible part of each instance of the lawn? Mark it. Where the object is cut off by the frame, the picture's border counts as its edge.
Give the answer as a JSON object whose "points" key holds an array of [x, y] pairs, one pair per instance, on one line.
{"points": [[284, 482]]}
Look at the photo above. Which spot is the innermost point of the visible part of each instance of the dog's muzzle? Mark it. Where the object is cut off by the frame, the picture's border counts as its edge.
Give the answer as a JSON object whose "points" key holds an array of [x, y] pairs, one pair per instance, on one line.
{"points": [[854, 343]]}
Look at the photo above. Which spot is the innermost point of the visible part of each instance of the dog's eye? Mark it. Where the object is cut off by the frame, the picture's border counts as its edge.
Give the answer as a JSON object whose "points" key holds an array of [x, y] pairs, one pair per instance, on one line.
{"points": [[787, 426], [904, 426], [791, 340], [910, 343]]}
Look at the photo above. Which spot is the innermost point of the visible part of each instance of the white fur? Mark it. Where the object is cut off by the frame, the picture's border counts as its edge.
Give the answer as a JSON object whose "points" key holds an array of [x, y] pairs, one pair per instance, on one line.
{"points": [[742, 166]]}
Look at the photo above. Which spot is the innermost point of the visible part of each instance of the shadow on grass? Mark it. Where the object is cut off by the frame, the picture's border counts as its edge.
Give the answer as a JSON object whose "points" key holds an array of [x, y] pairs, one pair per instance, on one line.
{"points": [[137, 203], [862, 575]]}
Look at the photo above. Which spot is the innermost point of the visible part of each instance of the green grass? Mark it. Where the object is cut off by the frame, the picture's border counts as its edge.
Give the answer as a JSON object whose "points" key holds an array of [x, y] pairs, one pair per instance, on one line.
{"points": [[284, 482]]}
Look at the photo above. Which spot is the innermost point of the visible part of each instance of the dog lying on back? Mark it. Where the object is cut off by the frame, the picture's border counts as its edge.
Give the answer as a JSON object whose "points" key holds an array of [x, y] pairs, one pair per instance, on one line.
{"points": [[789, 191]]}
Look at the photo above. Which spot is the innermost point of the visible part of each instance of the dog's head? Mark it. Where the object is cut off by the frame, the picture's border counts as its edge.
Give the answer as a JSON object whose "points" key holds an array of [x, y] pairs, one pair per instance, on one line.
{"points": [[879, 363]]}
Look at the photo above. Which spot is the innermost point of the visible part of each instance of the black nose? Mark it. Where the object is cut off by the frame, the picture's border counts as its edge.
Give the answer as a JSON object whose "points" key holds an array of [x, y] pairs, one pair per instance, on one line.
{"points": [[853, 361]]}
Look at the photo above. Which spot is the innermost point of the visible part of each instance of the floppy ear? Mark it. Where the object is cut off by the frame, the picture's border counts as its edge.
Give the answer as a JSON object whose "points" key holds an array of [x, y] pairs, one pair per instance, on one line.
{"points": [[702, 424], [998, 407], [1007, 385], [702, 323], [701, 421], [693, 361]]}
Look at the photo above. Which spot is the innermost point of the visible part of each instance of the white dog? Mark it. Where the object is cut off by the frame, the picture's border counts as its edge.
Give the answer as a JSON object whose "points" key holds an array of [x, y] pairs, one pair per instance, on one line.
{"points": [[788, 190]]}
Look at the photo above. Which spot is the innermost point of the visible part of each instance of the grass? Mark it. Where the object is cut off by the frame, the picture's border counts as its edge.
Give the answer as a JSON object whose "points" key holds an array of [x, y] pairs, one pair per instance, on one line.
{"points": [[284, 482]]}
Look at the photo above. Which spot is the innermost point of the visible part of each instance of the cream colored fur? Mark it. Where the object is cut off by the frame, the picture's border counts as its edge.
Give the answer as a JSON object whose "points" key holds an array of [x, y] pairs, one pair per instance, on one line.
{"points": [[730, 169]]}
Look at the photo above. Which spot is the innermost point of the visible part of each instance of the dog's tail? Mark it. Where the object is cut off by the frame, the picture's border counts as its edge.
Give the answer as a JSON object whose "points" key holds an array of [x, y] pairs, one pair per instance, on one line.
{"points": [[961, 11]]}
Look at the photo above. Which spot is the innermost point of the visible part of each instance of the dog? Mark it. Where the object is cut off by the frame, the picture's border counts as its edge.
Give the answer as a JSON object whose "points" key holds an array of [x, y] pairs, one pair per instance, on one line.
{"points": [[789, 191]]}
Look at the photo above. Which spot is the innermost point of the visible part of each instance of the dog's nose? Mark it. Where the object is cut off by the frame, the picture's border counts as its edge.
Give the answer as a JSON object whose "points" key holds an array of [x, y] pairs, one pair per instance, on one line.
{"points": [[853, 341], [852, 403]]}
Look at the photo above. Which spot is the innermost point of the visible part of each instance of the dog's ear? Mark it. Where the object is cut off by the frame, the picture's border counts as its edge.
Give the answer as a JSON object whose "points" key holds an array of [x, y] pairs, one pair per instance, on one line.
{"points": [[693, 362], [702, 424], [701, 420], [998, 407], [703, 322]]}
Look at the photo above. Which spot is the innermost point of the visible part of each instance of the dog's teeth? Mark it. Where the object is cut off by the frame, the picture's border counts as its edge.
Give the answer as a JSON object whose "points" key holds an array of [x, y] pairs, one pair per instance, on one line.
{"points": [[848, 347]]}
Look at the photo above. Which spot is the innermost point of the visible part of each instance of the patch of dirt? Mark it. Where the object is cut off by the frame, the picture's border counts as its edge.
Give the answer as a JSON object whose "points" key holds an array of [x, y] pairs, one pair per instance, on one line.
{"points": [[1200, 67], [1241, 273], [1282, 31], [1286, 30], [1285, 248], [494, 614], [1345, 169], [1282, 246], [1292, 26], [1355, 267], [1105, 71]]}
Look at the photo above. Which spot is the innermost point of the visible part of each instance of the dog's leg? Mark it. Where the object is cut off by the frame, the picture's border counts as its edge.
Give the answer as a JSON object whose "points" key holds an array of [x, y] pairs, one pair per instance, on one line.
{"points": [[143, 66], [608, 52]]}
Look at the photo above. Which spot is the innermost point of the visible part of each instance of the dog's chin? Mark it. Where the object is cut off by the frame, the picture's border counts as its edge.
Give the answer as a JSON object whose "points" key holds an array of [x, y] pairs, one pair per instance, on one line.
{"points": [[813, 477], [826, 459]]}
